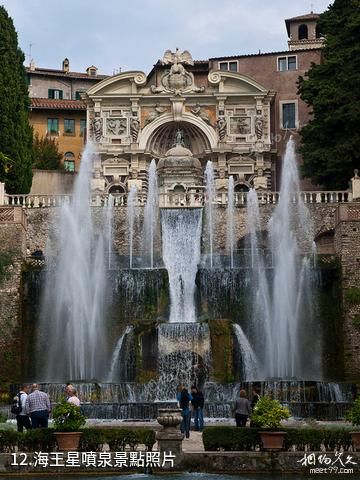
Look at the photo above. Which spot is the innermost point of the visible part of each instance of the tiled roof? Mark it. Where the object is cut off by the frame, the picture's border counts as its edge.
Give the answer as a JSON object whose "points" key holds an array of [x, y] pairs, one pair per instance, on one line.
{"points": [[61, 73], [54, 104], [281, 52]]}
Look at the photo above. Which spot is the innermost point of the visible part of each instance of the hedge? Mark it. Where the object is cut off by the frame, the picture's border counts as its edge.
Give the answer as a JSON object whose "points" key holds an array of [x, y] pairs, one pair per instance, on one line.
{"points": [[245, 439], [92, 439]]}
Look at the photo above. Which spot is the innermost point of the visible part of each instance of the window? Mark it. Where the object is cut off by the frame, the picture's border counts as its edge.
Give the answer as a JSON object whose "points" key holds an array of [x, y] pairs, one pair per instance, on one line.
{"points": [[232, 66], [288, 115], [82, 127], [303, 32], [57, 94], [78, 94], [287, 63], [69, 162], [28, 79], [53, 126], [69, 127]]}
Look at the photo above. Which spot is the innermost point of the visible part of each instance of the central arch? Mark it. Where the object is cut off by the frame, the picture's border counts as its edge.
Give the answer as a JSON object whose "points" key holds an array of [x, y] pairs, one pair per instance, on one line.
{"points": [[156, 136]]}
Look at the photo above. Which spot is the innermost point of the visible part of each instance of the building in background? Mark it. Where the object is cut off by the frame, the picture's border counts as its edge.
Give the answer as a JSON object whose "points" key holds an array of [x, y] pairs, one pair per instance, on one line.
{"points": [[57, 110]]}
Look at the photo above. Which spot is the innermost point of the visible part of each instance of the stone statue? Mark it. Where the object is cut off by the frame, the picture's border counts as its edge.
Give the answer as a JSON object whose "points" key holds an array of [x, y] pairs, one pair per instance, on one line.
{"points": [[97, 128], [154, 114], [259, 126], [196, 110], [221, 126], [134, 129], [116, 126], [177, 80], [179, 140]]}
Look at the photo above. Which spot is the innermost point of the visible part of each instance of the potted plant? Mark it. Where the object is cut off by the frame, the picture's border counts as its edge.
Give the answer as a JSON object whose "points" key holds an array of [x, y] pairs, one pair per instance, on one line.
{"points": [[354, 417], [68, 419], [268, 414]]}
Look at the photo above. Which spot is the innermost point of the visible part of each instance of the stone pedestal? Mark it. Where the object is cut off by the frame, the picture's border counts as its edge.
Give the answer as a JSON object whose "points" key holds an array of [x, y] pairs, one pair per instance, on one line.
{"points": [[170, 438]]}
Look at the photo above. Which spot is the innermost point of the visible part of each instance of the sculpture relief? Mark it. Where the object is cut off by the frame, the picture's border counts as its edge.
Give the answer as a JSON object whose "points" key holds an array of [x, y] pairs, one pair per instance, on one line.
{"points": [[97, 128], [260, 181], [116, 126], [177, 80], [154, 114], [196, 110], [259, 127], [221, 126], [134, 128]]}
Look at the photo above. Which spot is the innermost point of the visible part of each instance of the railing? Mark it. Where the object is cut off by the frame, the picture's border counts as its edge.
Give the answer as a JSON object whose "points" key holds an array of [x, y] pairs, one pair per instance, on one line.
{"points": [[190, 199]]}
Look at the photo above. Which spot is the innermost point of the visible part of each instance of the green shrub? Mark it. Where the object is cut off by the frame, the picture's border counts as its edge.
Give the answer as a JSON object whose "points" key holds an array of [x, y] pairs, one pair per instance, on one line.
{"points": [[230, 438], [68, 417], [2, 418], [268, 413], [354, 414]]}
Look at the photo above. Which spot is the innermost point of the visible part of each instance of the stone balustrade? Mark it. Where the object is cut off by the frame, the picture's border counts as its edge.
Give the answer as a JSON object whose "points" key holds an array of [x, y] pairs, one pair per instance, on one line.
{"points": [[192, 199]]}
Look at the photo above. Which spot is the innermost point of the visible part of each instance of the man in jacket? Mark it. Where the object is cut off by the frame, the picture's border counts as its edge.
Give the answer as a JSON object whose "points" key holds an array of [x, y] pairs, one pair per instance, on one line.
{"points": [[38, 407], [197, 403]]}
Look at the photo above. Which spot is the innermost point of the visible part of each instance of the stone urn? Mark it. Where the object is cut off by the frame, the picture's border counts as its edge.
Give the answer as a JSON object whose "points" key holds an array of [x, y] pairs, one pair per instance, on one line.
{"points": [[170, 438]]}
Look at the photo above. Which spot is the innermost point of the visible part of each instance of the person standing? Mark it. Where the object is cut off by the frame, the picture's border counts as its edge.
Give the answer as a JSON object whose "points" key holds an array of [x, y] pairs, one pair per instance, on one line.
{"points": [[254, 400], [72, 397], [184, 398], [38, 407], [22, 418], [197, 403], [242, 409]]}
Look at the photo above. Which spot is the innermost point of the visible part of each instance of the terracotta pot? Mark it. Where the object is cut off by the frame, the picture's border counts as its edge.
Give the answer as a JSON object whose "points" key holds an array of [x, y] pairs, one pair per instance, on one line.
{"points": [[68, 441], [272, 440], [355, 437]]}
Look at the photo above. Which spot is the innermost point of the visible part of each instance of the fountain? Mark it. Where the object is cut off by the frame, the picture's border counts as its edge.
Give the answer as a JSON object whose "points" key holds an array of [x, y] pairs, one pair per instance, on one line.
{"points": [[151, 214], [109, 220], [210, 196], [251, 369], [230, 221], [131, 217], [181, 233], [116, 354], [72, 317]]}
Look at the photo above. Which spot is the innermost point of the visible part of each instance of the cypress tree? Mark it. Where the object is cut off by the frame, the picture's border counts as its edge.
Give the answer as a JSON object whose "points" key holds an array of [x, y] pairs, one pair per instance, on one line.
{"points": [[331, 140], [15, 131]]}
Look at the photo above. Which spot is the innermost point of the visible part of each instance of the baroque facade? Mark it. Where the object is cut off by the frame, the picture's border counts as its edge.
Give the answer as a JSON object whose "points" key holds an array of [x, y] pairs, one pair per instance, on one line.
{"points": [[222, 116]]}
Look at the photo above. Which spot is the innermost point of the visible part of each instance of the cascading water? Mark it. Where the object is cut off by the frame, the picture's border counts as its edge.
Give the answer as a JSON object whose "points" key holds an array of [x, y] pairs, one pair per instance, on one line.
{"points": [[181, 233], [116, 354], [151, 214], [251, 369], [73, 303], [210, 197], [230, 221], [282, 304], [131, 217], [109, 220]]}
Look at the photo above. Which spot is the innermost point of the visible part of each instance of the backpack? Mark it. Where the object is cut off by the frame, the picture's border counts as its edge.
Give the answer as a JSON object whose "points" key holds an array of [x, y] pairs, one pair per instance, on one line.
{"points": [[16, 404]]}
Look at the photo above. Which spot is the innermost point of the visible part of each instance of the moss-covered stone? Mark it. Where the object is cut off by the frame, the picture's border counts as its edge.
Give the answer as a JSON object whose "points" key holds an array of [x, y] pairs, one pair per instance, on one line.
{"points": [[352, 296], [221, 336]]}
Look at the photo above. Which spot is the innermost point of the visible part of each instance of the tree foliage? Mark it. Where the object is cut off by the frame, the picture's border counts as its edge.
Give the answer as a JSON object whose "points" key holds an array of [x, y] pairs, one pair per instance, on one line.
{"points": [[331, 140], [46, 153], [15, 131]]}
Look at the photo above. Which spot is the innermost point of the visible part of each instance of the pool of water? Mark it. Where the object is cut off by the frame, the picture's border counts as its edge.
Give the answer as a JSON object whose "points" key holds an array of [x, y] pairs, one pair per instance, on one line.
{"points": [[180, 476]]}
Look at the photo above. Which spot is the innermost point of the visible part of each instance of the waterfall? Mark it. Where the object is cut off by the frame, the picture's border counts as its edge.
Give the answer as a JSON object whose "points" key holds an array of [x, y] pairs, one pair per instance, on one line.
{"points": [[251, 370], [230, 221], [72, 335], [130, 215], [282, 312], [210, 194], [109, 227], [116, 354], [181, 233], [151, 213]]}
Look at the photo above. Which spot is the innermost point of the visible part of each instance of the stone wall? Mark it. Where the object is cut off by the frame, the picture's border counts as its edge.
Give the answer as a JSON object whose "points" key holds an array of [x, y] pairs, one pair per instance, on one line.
{"points": [[12, 251], [347, 243], [52, 182]]}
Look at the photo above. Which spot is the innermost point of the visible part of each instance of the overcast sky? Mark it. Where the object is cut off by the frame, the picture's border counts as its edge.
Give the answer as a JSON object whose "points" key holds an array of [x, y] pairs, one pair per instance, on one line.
{"points": [[133, 34]]}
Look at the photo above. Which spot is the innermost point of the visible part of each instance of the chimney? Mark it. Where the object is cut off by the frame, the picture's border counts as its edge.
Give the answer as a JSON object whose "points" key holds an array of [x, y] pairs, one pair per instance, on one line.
{"points": [[66, 65], [92, 71]]}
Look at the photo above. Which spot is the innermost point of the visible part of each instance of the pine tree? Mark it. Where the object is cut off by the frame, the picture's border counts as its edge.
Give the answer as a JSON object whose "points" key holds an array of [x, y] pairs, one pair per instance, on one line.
{"points": [[46, 154], [15, 131], [331, 140]]}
